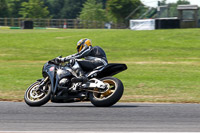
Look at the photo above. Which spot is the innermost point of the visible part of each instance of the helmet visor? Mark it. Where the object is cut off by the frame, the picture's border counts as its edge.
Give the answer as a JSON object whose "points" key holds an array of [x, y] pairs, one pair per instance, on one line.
{"points": [[79, 48]]}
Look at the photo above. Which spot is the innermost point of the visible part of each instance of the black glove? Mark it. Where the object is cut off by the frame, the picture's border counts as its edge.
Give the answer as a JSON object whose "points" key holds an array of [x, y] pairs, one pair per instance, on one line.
{"points": [[68, 58], [59, 60]]}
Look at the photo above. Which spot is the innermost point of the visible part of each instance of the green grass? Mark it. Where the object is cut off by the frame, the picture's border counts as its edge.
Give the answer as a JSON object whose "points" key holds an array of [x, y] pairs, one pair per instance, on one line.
{"points": [[163, 65]]}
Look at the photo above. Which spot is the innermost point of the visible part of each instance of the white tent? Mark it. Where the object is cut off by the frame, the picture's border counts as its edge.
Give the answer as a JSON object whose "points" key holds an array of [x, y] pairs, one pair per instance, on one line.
{"points": [[142, 24]]}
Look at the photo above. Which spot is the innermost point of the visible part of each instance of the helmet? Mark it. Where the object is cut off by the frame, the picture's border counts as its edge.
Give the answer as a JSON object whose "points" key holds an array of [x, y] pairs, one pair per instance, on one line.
{"points": [[83, 43]]}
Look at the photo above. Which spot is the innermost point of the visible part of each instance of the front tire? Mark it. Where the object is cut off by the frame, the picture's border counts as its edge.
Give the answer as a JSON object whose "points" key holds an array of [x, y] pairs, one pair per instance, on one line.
{"points": [[37, 98], [111, 96]]}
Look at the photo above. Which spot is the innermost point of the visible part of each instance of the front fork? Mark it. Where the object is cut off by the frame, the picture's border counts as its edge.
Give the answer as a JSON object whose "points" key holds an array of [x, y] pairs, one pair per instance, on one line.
{"points": [[42, 83]]}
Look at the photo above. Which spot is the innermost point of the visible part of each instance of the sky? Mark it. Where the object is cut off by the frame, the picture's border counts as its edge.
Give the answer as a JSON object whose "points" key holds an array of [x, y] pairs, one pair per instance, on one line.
{"points": [[154, 3]]}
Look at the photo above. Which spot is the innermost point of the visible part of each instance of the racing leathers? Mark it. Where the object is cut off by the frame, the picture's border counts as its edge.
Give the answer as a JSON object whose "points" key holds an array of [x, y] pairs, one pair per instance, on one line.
{"points": [[94, 57]]}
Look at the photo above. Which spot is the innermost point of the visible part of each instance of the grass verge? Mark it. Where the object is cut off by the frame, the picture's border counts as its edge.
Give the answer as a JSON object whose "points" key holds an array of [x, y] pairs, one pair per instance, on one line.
{"points": [[163, 65]]}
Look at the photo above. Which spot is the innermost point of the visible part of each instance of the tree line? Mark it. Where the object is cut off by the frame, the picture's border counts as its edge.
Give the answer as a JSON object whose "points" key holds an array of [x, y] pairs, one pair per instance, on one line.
{"points": [[98, 10], [101, 10]]}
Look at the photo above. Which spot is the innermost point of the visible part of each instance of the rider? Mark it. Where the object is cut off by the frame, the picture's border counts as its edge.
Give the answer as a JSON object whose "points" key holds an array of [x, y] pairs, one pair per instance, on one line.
{"points": [[94, 56]]}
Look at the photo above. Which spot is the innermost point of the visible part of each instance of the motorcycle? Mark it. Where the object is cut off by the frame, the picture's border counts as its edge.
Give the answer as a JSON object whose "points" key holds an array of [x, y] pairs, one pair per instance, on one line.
{"points": [[57, 85]]}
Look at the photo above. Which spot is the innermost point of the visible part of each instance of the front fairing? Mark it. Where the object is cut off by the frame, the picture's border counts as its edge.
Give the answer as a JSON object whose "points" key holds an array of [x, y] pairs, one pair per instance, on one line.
{"points": [[55, 73], [49, 70]]}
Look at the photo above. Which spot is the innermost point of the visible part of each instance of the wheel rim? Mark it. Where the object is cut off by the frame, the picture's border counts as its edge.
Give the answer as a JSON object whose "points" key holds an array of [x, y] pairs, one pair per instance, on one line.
{"points": [[34, 95], [111, 85]]}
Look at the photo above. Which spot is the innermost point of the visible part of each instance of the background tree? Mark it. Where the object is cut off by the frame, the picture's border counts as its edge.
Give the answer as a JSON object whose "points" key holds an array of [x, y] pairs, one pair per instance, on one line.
{"points": [[34, 9], [68, 9], [14, 7], [103, 3], [72, 8], [183, 2], [55, 7], [93, 11], [162, 2], [4, 12], [120, 9]]}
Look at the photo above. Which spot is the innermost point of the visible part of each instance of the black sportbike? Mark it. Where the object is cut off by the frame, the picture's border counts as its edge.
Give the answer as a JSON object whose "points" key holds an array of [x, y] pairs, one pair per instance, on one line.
{"points": [[58, 85]]}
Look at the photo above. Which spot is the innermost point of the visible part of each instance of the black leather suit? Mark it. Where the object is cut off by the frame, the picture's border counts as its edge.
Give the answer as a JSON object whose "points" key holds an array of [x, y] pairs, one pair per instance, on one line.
{"points": [[94, 57]]}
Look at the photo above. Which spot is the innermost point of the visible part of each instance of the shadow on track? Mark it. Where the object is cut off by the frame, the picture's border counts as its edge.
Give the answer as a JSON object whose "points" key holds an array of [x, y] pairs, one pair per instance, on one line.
{"points": [[91, 106]]}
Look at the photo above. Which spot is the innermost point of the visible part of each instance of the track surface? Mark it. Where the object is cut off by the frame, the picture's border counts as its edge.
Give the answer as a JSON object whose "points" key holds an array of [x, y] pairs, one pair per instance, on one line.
{"points": [[16, 116]]}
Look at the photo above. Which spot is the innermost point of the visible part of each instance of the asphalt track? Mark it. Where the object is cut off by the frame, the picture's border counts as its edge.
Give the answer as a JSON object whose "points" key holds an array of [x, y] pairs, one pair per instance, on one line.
{"points": [[122, 117]]}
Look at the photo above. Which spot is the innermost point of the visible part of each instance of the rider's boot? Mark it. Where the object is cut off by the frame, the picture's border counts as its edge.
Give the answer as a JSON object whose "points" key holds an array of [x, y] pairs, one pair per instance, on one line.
{"points": [[81, 78]]}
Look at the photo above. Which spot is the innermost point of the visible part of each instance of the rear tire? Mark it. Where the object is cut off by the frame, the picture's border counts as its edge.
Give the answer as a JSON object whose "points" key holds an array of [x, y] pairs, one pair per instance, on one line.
{"points": [[34, 98], [111, 96]]}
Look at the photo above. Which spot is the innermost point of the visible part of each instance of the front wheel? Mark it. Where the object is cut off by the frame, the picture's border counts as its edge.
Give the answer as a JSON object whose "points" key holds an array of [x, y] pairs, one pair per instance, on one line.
{"points": [[37, 97], [111, 96]]}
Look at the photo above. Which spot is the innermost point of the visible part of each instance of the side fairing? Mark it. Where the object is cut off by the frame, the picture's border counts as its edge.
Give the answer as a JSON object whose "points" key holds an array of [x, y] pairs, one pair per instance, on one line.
{"points": [[60, 73]]}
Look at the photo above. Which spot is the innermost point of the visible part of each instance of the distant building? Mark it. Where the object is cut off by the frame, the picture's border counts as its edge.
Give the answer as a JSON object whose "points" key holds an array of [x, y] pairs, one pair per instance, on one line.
{"points": [[188, 15]]}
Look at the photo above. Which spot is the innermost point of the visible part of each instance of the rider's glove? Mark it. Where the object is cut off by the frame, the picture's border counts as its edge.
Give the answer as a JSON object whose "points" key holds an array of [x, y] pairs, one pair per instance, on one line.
{"points": [[67, 58], [59, 60]]}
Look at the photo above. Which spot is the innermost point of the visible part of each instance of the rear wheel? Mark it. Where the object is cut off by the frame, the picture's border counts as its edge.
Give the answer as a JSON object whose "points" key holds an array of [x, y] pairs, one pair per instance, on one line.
{"points": [[111, 96], [37, 97]]}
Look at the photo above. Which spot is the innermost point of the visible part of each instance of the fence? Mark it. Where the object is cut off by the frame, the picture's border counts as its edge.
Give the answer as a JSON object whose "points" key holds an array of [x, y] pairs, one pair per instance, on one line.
{"points": [[59, 23]]}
